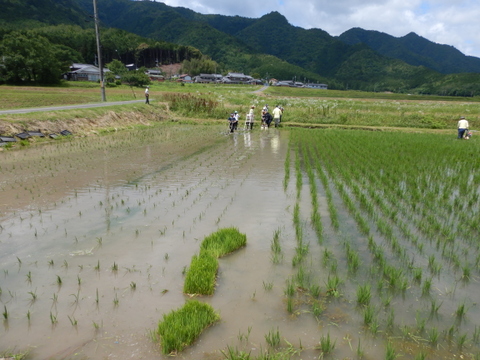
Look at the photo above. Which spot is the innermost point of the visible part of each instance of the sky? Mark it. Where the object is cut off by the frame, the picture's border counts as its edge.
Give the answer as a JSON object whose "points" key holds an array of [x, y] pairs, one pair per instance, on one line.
{"points": [[450, 22]]}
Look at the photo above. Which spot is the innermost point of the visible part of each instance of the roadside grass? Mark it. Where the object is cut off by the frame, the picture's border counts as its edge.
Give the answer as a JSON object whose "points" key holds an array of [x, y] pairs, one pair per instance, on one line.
{"points": [[180, 328]]}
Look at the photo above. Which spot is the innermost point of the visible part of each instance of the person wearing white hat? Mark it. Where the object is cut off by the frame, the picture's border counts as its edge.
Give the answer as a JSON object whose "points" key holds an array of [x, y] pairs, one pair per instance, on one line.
{"points": [[147, 95]]}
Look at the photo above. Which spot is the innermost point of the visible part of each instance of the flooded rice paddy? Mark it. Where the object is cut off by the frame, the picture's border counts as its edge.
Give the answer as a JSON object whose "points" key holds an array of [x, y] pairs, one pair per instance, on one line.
{"points": [[96, 235]]}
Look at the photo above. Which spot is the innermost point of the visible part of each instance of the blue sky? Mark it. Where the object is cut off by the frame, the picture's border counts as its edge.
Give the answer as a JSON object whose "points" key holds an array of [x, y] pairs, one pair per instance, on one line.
{"points": [[450, 22]]}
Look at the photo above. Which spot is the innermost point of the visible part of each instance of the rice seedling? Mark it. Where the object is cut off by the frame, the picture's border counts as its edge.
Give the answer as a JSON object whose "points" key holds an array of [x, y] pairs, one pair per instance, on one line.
{"points": [[244, 337], [133, 285], [434, 307], [317, 308], [332, 284], [181, 327], [427, 284], [461, 311], [364, 294], [273, 338], [97, 267], [314, 290], [360, 352], [5, 313], [369, 315], [73, 321], [326, 345], [53, 319], [59, 280], [433, 336], [33, 294], [116, 301], [115, 267], [290, 288], [462, 341], [235, 354], [268, 285], [390, 353], [290, 305]]}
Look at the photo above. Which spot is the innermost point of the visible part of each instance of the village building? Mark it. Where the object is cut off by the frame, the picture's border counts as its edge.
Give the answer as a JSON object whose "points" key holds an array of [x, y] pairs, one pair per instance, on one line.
{"points": [[84, 72]]}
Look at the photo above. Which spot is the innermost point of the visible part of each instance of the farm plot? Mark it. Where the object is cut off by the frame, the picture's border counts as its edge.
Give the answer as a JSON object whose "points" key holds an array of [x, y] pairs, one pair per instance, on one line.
{"points": [[403, 251], [358, 248]]}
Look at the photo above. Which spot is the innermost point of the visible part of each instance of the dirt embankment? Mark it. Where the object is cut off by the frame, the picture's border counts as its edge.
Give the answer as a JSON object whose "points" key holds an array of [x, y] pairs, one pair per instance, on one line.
{"points": [[84, 125]]}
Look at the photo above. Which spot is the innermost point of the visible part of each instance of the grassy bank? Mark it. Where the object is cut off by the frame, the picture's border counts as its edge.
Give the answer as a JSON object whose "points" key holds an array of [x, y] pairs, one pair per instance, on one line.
{"points": [[213, 103]]}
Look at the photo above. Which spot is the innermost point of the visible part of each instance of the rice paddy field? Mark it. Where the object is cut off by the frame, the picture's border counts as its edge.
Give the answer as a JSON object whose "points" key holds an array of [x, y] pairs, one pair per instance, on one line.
{"points": [[359, 244]]}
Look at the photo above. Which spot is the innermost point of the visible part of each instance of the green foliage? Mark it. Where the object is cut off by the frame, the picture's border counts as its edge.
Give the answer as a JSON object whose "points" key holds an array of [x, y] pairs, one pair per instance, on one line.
{"points": [[202, 65], [30, 58], [180, 328]]}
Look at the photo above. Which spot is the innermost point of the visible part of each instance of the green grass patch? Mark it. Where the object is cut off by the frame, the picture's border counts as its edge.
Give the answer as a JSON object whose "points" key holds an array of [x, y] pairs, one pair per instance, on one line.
{"points": [[201, 275], [180, 328]]}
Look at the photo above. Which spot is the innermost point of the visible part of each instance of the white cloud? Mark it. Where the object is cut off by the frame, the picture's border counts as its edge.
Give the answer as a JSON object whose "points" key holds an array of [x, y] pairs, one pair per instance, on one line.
{"points": [[451, 22]]}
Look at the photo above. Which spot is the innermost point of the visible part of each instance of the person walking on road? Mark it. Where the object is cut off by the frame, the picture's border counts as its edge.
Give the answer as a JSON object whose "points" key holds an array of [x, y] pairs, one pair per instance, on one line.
{"points": [[462, 127], [147, 96]]}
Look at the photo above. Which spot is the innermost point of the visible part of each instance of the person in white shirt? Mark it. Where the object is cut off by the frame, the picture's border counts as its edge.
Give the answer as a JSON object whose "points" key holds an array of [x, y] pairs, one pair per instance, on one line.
{"points": [[147, 96], [250, 117], [462, 127], [277, 114]]}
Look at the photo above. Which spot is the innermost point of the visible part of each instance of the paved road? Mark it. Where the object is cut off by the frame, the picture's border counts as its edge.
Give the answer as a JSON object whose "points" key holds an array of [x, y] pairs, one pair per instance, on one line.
{"points": [[69, 107]]}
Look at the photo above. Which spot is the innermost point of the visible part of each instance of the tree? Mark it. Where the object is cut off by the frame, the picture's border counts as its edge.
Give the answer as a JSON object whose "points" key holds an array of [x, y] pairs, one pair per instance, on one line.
{"points": [[29, 57]]}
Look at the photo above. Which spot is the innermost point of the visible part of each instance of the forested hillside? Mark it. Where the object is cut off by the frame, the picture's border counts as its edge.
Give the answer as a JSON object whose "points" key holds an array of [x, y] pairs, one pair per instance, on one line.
{"points": [[414, 50]]}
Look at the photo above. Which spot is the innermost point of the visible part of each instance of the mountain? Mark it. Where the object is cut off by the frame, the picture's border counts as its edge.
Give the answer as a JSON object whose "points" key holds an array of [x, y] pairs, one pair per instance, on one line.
{"points": [[28, 13], [267, 46], [414, 50]]}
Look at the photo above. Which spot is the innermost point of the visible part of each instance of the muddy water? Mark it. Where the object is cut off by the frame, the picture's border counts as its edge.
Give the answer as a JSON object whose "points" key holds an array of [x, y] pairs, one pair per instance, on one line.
{"points": [[96, 233]]}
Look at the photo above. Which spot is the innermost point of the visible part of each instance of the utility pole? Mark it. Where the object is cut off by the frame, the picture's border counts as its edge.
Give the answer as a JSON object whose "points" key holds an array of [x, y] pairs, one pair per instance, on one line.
{"points": [[99, 53]]}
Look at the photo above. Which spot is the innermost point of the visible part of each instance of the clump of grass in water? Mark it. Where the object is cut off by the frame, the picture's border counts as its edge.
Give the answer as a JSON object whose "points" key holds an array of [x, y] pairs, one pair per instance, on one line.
{"points": [[326, 345], [200, 276], [273, 338], [181, 327], [223, 242], [364, 294]]}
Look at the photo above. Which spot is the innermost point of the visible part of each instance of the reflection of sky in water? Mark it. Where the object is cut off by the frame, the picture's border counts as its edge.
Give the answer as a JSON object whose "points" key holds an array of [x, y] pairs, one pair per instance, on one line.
{"points": [[275, 143]]}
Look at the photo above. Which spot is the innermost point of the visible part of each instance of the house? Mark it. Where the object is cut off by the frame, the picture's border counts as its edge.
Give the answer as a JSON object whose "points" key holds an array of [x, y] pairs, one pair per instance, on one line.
{"points": [[184, 78], [236, 78], [155, 75], [84, 72], [317, 86], [208, 78]]}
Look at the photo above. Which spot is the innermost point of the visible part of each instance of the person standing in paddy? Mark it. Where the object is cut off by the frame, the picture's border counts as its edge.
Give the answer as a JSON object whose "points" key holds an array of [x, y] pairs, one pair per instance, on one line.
{"points": [[462, 127], [250, 117], [277, 114]]}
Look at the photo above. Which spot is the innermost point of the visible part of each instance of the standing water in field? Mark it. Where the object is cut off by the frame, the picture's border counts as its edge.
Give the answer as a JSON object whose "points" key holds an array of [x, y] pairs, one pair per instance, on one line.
{"points": [[96, 236]]}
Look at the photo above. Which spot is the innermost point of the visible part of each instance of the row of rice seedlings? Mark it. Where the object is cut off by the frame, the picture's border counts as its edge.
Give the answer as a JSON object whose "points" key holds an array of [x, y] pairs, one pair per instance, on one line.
{"points": [[391, 274], [315, 218], [286, 178]]}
